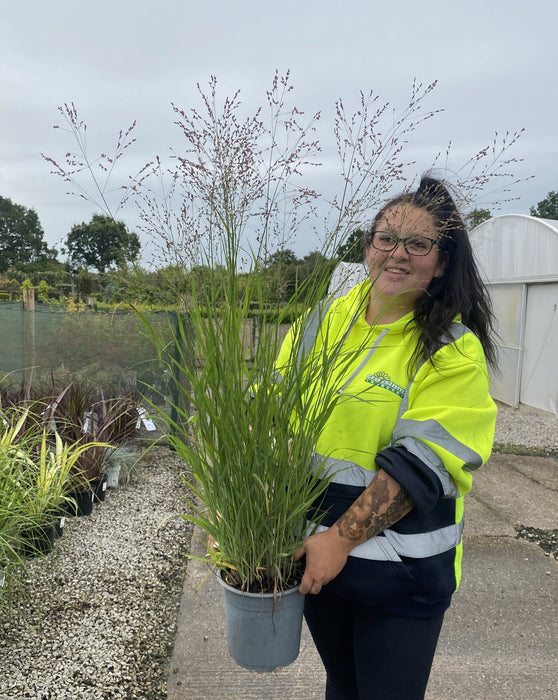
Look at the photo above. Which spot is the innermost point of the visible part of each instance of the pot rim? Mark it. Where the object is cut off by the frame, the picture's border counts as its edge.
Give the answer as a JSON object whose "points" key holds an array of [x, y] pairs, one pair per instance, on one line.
{"points": [[248, 594]]}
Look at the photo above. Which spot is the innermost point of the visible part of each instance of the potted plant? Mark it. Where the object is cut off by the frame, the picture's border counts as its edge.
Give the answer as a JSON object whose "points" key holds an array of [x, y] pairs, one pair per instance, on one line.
{"points": [[40, 470], [17, 487], [83, 415], [248, 438], [250, 446], [47, 482], [113, 419], [118, 463], [10, 512]]}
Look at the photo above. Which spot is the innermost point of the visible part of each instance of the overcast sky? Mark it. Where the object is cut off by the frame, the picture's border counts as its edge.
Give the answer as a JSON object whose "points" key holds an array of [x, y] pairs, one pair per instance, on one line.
{"points": [[125, 60]]}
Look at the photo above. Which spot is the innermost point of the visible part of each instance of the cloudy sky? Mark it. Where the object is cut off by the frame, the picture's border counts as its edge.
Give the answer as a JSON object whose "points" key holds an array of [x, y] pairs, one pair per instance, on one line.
{"points": [[126, 60]]}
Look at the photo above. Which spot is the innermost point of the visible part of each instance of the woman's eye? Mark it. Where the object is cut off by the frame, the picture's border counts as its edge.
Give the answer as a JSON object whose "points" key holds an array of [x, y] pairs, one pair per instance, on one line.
{"points": [[387, 239], [417, 243]]}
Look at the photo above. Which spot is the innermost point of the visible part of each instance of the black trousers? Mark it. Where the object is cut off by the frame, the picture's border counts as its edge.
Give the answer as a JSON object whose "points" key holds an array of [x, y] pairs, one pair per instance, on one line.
{"points": [[368, 655]]}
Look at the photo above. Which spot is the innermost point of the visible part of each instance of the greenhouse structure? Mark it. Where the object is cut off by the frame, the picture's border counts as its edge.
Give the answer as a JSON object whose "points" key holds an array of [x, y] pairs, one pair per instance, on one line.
{"points": [[518, 258]]}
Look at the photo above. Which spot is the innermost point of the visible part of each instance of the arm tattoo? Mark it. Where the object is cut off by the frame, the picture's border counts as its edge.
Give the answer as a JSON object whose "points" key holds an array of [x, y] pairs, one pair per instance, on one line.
{"points": [[374, 511]]}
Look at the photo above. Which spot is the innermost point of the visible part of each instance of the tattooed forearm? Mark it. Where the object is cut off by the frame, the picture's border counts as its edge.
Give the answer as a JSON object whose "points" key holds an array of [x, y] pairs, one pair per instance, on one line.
{"points": [[382, 504]]}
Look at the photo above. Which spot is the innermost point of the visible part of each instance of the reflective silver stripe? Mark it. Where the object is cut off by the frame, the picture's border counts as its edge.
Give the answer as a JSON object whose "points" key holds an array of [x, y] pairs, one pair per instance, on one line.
{"points": [[409, 432], [426, 544], [428, 457], [432, 431], [314, 322], [311, 328], [343, 471], [394, 545], [455, 331]]}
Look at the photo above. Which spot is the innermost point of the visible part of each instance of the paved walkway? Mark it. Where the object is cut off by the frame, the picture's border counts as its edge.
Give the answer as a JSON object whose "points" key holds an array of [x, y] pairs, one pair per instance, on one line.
{"points": [[500, 637]]}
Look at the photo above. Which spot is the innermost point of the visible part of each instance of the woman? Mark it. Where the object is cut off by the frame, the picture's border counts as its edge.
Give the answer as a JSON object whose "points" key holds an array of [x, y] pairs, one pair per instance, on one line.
{"points": [[414, 418]]}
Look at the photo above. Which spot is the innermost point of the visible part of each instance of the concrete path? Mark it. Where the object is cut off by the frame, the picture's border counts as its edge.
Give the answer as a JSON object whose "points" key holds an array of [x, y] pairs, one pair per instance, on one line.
{"points": [[500, 637]]}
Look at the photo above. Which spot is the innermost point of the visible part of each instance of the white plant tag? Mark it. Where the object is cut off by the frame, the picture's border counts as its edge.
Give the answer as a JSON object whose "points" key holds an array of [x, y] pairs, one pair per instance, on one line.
{"points": [[147, 422], [87, 422], [52, 423]]}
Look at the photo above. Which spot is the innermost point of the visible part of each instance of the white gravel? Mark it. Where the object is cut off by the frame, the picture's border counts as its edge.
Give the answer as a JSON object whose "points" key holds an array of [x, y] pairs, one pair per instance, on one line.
{"points": [[96, 618], [528, 428]]}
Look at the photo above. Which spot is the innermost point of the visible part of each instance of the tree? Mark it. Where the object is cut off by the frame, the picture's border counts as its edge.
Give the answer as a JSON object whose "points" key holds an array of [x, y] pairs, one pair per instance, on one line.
{"points": [[102, 243], [353, 248], [547, 208], [285, 256], [475, 217], [21, 237], [281, 275], [314, 259]]}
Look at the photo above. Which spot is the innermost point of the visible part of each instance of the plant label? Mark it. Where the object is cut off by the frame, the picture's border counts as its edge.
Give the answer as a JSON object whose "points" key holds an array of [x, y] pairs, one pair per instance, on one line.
{"points": [[145, 419]]}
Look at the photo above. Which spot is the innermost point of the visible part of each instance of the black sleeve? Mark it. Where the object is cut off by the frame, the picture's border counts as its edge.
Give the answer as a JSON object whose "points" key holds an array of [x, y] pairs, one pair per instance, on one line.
{"points": [[419, 481]]}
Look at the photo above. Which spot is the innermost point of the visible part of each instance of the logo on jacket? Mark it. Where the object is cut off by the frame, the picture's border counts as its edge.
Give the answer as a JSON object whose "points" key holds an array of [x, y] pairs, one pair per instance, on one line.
{"points": [[382, 380]]}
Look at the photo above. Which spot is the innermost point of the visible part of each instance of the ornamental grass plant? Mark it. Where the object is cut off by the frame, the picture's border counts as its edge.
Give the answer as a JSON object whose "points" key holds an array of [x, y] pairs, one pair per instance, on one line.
{"points": [[12, 514], [38, 471], [247, 428]]}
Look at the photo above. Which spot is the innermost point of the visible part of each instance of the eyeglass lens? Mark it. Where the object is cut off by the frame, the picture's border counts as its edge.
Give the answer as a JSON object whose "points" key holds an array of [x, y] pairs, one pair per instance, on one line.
{"points": [[414, 245]]}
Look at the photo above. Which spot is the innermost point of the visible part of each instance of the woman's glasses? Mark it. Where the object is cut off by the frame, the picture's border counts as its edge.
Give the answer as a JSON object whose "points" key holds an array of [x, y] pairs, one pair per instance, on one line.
{"points": [[414, 245]]}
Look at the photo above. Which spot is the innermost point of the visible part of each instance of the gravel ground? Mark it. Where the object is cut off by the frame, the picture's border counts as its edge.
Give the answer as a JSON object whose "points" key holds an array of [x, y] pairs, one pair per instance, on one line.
{"points": [[527, 428], [96, 618]]}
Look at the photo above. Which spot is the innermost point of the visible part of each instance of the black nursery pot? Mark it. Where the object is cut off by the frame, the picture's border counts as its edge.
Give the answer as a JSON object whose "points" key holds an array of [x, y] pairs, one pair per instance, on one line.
{"points": [[83, 502], [99, 487], [38, 540]]}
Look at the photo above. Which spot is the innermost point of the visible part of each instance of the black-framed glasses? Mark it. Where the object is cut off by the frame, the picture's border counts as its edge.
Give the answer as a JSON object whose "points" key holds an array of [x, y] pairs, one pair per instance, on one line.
{"points": [[414, 245]]}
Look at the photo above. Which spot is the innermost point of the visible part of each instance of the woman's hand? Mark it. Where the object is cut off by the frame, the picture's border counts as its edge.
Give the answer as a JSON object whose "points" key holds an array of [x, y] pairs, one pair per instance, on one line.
{"points": [[326, 555], [382, 503]]}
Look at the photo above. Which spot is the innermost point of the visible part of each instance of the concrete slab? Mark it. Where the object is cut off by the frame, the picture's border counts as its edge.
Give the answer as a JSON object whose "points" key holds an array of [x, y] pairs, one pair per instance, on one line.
{"points": [[500, 636], [521, 490]]}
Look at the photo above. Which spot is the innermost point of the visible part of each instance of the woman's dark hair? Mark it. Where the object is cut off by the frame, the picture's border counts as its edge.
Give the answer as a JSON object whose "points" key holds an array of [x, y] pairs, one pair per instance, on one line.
{"points": [[460, 289]]}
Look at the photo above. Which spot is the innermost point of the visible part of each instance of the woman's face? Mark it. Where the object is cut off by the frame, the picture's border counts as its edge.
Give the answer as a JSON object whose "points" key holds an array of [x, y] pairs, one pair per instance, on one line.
{"points": [[396, 273]]}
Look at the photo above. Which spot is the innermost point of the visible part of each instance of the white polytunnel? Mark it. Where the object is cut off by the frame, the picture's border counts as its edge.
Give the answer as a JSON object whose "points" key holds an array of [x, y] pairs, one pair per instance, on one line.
{"points": [[518, 259]]}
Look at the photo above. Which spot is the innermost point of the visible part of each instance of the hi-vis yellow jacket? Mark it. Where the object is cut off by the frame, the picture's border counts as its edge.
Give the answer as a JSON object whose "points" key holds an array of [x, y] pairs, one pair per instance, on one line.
{"points": [[429, 431]]}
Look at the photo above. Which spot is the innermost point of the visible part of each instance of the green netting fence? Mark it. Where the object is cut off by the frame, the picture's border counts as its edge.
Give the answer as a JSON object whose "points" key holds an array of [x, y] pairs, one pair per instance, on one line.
{"points": [[104, 348]]}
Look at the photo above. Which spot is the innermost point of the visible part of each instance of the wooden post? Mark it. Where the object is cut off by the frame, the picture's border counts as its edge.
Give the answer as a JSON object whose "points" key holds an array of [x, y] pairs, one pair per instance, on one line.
{"points": [[29, 300], [28, 333]]}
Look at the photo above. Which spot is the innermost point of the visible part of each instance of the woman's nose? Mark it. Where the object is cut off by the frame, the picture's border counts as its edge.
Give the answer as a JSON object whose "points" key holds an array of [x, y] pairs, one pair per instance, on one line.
{"points": [[400, 250]]}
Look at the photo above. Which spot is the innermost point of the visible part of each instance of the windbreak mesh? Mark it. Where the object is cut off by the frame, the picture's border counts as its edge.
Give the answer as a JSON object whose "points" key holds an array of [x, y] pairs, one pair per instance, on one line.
{"points": [[107, 349]]}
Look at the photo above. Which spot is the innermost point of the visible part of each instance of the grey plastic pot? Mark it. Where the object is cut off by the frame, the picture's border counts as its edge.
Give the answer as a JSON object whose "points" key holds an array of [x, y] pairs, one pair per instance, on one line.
{"points": [[113, 473], [263, 630]]}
